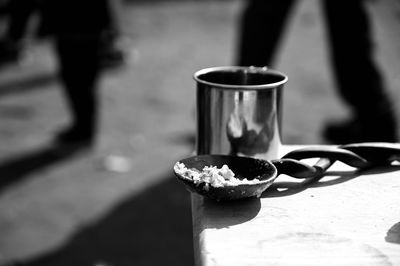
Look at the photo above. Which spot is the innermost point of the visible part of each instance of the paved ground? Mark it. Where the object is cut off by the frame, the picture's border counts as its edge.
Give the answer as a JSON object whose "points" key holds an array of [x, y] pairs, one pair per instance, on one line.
{"points": [[119, 203]]}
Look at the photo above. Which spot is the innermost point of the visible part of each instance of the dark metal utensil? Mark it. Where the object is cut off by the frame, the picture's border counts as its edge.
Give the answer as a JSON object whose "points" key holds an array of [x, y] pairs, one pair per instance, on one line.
{"points": [[376, 153], [358, 155], [243, 167]]}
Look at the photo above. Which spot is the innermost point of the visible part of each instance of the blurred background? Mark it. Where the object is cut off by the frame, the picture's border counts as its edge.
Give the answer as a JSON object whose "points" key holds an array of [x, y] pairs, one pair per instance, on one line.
{"points": [[118, 203]]}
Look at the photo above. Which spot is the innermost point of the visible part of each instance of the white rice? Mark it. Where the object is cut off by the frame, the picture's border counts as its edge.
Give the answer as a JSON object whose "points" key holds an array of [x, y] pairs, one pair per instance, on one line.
{"points": [[212, 175]]}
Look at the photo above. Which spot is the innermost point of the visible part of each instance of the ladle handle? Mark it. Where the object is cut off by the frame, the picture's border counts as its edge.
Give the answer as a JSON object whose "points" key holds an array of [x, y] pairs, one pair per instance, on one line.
{"points": [[376, 153], [331, 153], [358, 155], [294, 168]]}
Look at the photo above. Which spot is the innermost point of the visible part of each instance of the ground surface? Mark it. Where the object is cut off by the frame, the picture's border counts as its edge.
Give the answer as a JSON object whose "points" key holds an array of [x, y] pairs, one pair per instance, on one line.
{"points": [[119, 203]]}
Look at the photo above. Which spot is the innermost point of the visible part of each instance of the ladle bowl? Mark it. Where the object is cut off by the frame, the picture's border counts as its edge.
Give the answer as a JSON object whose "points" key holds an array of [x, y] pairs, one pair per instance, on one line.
{"points": [[243, 167]]}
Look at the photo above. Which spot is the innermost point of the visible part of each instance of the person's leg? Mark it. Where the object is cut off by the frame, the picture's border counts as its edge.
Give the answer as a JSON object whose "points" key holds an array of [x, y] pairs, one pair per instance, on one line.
{"points": [[358, 79], [261, 27], [17, 17], [79, 69], [77, 27]]}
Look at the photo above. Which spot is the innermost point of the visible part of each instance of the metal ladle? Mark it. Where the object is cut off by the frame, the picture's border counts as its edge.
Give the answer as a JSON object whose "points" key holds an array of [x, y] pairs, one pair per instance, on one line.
{"points": [[360, 156]]}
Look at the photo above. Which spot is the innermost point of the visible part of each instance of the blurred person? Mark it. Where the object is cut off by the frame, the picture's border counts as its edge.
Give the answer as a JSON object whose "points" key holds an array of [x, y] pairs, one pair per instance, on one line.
{"points": [[77, 28], [358, 79], [83, 32], [18, 14]]}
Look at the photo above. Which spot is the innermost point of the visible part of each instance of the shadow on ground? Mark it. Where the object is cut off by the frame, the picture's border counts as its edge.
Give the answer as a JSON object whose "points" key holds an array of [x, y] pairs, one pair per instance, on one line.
{"points": [[37, 82], [152, 228], [17, 168]]}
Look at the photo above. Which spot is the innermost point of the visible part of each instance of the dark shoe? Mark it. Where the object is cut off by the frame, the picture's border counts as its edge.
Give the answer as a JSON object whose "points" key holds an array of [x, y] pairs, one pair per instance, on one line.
{"points": [[73, 136], [362, 130]]}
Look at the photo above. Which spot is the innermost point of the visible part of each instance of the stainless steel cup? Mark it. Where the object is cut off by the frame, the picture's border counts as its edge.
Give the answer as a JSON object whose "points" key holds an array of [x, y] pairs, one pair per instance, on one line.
{"points": [[239, 111]]}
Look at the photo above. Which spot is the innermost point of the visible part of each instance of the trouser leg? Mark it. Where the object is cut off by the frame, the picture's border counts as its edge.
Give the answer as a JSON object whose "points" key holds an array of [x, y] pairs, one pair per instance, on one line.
{"points": [[79, 69], [261, 27], [358, 79]]}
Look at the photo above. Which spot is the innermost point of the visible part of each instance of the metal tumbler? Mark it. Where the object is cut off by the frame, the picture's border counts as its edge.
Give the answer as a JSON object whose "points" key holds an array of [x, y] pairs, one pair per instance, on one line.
{"points": [[239, 111]]}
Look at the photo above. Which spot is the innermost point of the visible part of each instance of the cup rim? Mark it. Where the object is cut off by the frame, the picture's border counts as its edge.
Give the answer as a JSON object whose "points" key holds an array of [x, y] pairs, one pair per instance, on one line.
{"points": [[253, 69]]}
